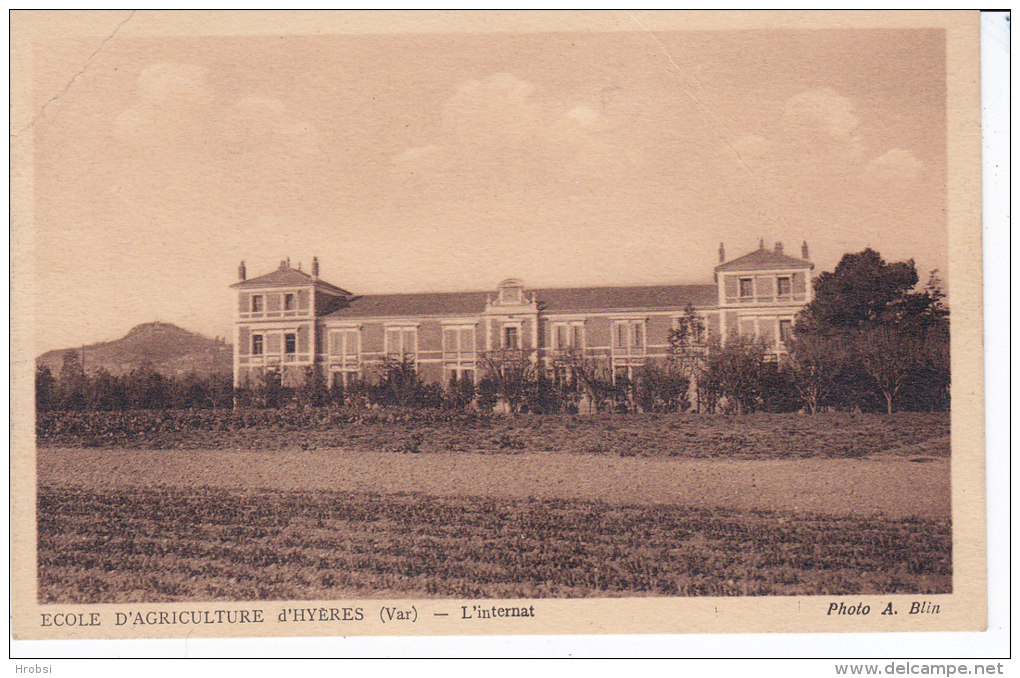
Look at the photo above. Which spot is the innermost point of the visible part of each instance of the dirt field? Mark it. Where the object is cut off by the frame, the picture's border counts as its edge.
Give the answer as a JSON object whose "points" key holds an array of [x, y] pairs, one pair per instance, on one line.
{"points": [[889, 485], [510, 520]]}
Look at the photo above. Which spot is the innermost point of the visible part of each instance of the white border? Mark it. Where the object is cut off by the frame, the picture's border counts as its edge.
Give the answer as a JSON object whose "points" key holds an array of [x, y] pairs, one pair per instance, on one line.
{"points": [[995, 642]]}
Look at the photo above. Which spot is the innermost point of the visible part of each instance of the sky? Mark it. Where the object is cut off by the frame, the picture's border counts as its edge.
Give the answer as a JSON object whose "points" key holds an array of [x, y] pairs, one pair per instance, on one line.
{"points": [[418, 162]]}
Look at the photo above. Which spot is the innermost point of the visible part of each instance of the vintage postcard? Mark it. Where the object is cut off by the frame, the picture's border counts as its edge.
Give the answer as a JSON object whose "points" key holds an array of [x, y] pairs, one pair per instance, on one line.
{"points": [[339, 324]]}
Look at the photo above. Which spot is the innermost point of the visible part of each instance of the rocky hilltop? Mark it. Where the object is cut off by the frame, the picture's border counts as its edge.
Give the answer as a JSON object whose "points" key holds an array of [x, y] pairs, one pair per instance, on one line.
{"points": [[170, 349]]}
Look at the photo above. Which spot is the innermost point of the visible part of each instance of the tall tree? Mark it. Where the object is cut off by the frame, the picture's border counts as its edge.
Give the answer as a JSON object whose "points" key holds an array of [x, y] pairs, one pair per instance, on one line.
{"points": [[594, 377], [105, 391], [814, 363], [45, 389], [660, 386], [147, 389], [889, 355], [399, 382], [863, 291], [72, 382], [735, 370], [513, 374], [312, 391], [865, 315], [688, 350]]}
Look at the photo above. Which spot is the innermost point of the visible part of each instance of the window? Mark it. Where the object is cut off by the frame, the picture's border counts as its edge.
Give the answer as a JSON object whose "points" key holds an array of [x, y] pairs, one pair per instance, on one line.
{"points": [[511, 338], [460, 375], [256, 303], [290, 343], [783, 287], [562, 340], [401, 341], [629, 336], [564, 378], [344, 378], [567, 335], [459, 354], [346, 343], [746, 288], [256, 344], [288, 302], [576, 338], [352, 341], [785, 330], [458, 341]]}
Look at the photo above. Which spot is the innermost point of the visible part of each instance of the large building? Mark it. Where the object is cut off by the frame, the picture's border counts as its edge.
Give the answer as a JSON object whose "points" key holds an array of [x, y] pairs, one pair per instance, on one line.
{"points": [[289, 320]]}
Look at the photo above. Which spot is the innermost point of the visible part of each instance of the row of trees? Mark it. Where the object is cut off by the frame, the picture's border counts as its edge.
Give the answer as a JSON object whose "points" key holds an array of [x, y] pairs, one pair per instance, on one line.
{"points": [[143, 388], [867, 341]]}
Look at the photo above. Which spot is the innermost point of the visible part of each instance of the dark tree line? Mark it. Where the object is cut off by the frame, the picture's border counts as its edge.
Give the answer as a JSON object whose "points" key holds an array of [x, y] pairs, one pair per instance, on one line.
{"points": [[142, 389]]}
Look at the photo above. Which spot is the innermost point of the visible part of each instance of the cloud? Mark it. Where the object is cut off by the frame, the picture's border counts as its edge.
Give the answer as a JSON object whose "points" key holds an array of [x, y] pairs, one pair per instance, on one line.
{"points": [[176, 106], [168, 95], [823, 122], [254, 121], [823, 108], [495, 111], [499, 131], [896, 164]]}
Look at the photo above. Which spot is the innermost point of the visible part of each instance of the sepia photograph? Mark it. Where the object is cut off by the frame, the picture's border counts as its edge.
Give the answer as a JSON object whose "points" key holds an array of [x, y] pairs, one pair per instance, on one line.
{"points": [[362, 317]]}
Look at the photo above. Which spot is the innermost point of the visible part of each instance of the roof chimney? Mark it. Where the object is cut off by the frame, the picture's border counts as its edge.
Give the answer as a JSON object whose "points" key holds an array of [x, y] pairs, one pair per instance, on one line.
{"points": [[299, 265], [315, 267], [242, 272], [804, 250], [283, 264], [722, 253], [779, 247], [761, 243]]}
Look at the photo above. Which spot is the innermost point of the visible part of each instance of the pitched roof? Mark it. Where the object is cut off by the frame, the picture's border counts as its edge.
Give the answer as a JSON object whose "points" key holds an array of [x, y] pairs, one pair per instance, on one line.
{"points": [[437, 303], [564, 300], [762, 259], [284, 277], [625, 298]]}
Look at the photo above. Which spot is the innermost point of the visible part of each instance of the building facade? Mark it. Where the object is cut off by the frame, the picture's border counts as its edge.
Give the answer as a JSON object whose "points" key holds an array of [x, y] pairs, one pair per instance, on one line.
{"points": [[290, 320]]}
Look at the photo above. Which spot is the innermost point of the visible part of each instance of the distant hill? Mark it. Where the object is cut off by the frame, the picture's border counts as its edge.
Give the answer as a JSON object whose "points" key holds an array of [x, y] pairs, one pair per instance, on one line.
{"points": [[170, 349]]}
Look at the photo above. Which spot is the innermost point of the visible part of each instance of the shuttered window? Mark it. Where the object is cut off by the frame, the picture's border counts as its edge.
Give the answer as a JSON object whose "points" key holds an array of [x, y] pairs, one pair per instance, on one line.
{"points": [[402, 341]]}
